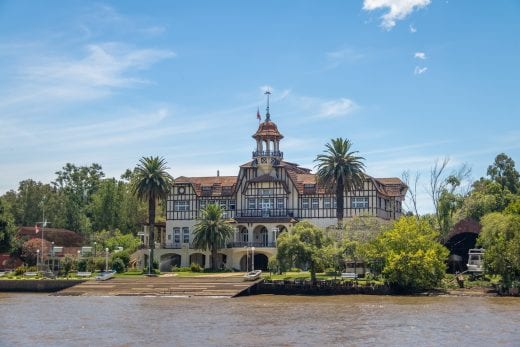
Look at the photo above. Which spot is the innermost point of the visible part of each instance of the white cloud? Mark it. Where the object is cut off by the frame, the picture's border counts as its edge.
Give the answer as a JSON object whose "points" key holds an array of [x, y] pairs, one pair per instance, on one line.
{"points": [[420, 55], [398, 9], [419, 70], [336, 108], [413, 29]]}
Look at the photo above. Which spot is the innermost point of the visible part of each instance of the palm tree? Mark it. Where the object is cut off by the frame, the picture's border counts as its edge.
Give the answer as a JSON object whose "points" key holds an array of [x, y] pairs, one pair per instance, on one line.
{"points": [[340, 169], [150, 183], [211, 231]]}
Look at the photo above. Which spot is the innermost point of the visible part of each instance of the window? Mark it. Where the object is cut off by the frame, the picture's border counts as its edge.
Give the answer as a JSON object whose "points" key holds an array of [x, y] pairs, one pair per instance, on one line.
{"points": [[227, 190], [223, 204], [206, 190], [266, 203], [305, 203], [267, 191], [315, 203], [177, 235], [232, 204], [203, 204], [326, 202], [186, 235], [169, 237], [280, 203], [251, 203], [181, 205], [360, 202]]}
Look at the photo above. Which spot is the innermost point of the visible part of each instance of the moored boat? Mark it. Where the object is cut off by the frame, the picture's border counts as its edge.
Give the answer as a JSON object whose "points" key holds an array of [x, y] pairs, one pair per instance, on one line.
{"points": [[252, 275], [105, 275]]}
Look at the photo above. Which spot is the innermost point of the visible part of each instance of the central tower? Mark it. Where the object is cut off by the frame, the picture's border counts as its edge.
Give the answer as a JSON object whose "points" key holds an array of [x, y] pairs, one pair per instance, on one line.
{"points": [[267, 138]]}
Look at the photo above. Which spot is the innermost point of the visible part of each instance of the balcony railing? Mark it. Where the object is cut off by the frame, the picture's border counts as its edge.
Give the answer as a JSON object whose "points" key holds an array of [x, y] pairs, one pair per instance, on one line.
{"points": [[264, 213], [250, 244], [268, 154]]}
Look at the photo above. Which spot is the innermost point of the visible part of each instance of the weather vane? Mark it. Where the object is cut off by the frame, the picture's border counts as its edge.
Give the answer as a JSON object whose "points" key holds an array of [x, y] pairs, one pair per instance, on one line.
{"points": [[267, 115]]}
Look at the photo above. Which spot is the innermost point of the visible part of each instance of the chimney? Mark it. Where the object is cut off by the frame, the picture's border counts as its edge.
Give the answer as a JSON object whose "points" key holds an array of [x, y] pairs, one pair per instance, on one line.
{"points": [[218, 173]]}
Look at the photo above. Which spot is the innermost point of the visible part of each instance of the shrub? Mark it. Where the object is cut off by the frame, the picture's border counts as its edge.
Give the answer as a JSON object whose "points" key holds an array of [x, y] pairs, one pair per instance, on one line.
{"points": [[82, 265], [118, 265], [124, 256], [195, 267], [295, 269], [20, 270]]}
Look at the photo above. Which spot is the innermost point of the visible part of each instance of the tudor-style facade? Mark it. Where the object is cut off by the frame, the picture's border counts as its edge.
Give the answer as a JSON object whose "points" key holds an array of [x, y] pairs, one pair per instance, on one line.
{"points": [[267, 197]]}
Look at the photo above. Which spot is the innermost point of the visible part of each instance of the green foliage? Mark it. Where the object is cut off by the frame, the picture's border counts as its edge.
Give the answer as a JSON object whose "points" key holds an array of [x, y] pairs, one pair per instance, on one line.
{"points": [[340, 169], [194, 267], [118, 265], [124, 256], [211, 231], [500, 236], [113, 239], [411, 258], [7, 228], [181, 268], [67, 264], [304, 245], [504, 173]]}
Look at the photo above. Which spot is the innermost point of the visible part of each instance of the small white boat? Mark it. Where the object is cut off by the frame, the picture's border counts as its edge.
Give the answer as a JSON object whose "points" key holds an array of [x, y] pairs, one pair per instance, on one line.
{"points": [[105, 275], [252, 275]]}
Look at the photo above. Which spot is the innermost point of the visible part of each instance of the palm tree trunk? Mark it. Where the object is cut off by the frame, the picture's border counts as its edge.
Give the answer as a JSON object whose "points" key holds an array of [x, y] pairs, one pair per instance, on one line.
{"points": [[151, 233], [340, 193], [214, 254]]}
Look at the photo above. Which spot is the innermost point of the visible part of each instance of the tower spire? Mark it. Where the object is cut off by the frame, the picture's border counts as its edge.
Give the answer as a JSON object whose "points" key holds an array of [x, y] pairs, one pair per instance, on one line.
{"points": [[267, 115]]}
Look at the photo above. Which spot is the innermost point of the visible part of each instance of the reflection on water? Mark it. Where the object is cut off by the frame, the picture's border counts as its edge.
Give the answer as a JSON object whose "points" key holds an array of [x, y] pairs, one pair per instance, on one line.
{"points": [[36, 319]]}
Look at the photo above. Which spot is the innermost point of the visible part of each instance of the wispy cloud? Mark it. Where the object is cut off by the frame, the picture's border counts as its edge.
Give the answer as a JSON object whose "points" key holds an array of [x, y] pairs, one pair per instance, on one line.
{"points": [[420, 70], [345, 55], [412, 28], [336, 108], [102, 69], [397, 9], [420, 55]]}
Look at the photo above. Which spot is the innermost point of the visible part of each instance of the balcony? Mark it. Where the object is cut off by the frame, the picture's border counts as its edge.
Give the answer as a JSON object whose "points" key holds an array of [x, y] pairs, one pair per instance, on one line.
{"points": [[264, 213], [251, 244], [277, 154]]}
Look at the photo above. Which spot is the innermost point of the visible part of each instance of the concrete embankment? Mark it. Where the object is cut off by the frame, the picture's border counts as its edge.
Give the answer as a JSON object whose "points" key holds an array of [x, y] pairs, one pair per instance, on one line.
{"points": [[161, 286], [291, 288], [46, 286]]}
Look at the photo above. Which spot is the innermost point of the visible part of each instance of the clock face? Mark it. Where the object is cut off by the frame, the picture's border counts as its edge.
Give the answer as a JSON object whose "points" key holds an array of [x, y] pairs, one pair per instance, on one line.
{"points": [[263, 160], [274, 161], [181, 190]]}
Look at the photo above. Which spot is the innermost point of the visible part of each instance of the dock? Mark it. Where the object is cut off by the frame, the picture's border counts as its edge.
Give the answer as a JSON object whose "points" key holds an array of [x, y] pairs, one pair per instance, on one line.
{"points": [[214, 286]]}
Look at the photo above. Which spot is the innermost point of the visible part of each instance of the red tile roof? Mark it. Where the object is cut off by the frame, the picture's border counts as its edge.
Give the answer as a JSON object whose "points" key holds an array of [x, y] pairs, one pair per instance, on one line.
{"points": [[60, 237], [215, 182], [268, 130]]}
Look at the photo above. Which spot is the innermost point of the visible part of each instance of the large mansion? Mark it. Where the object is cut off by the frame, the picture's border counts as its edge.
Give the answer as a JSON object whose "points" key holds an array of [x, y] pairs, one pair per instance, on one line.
{"points": [[267, 197]]}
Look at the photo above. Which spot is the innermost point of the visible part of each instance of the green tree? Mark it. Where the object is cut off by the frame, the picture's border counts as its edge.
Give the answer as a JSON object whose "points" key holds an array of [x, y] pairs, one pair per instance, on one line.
{"points": [[411, 257], [340, 169], [78, 184], [211, 231], [504, 173], [500, 236], [7, 228], [150, 183], [304, 244]]}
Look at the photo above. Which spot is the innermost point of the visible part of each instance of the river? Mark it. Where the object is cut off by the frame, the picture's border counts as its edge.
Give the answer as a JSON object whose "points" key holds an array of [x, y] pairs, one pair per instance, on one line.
{"points": [[42, 320]]}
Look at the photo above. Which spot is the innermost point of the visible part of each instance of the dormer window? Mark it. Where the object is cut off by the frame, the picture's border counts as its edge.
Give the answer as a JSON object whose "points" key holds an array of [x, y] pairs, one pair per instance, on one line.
{"points": [[206, 190], [309, 188], [227, 190]]}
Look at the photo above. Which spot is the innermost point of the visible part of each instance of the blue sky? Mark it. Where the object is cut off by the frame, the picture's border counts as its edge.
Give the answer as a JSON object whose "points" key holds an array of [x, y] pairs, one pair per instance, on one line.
{"points": [[407, 81]]}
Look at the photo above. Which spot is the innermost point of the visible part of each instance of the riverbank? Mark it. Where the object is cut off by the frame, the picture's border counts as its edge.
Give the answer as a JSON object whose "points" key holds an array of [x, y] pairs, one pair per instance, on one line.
{"points": [[37, 285]]}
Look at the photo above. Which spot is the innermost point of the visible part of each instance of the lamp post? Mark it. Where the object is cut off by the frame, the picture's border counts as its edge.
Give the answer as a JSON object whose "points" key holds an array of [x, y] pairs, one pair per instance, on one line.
{"points": [[52, 253], [247, 258], [77, 266], [252, 258], [275, 235], [106, 259], [95, 246], [37, 257], [149, 261]]}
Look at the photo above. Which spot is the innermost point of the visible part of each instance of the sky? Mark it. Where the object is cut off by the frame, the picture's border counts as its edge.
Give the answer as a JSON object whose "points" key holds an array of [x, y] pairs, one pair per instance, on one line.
{"points": [[409, 82]]}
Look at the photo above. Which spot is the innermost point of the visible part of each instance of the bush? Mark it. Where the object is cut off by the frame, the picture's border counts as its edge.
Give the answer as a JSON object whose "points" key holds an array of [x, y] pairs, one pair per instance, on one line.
{"points": [[124, 256], [295, 269], [118, 265], [195, 267], [20, 270], [82, 265]]}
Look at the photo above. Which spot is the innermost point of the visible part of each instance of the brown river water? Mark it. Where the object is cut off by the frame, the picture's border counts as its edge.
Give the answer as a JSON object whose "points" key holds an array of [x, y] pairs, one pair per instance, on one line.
{"points": [[263, 320]]}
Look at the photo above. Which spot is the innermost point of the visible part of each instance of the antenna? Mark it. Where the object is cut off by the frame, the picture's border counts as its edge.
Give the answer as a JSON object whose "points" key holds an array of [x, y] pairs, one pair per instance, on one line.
{"points": [[267, 115]]}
